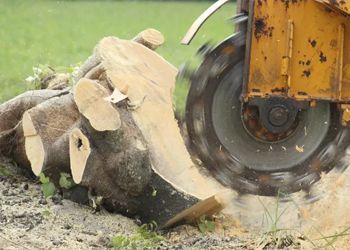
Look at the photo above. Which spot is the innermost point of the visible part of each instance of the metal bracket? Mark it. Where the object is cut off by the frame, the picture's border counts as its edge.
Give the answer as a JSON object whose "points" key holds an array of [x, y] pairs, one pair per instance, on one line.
{"points": [[286, 65], [201, 20]]}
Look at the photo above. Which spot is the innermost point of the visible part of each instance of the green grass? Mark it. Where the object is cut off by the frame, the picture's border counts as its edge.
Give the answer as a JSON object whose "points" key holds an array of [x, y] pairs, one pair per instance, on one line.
{"points": [[62, 33]]}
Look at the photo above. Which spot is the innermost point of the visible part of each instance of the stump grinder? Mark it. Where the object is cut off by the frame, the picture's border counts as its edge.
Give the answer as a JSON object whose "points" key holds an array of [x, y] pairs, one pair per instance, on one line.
{"points": [[268, 109]]}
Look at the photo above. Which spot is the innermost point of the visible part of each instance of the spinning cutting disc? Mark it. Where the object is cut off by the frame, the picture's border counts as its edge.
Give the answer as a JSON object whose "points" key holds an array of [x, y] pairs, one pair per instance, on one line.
{"points": [[238, 149]]}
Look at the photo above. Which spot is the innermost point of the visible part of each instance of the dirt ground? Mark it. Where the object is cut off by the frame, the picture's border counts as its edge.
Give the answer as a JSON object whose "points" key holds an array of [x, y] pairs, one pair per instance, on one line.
{"points": [[28, 221]]}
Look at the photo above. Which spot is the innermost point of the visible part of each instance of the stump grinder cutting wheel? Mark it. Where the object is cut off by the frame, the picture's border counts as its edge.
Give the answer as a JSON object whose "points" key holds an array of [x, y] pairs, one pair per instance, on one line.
{"points": [[267, 110]]}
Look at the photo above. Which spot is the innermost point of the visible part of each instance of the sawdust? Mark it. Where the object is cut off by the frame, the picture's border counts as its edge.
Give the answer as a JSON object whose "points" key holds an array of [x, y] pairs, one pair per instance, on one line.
{"points": [[323, 218]]}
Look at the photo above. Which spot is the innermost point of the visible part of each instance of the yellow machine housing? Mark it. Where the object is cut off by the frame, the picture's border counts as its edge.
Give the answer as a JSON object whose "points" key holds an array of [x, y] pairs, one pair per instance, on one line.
{"points": [[290, 61], [299, 49]]}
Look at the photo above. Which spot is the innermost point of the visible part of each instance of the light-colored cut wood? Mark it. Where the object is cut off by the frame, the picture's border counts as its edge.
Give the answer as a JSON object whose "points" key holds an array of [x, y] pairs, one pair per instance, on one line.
{"points": [[116, 96], [151, 38], [79, 151], [207, 207], [89, 96], [33, 145]]}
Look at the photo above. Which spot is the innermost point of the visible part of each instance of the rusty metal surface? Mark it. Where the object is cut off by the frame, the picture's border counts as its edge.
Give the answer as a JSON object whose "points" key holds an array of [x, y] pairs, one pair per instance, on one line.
{"points": [[299, 49], [345, 114], [201, 20], [338, 5]]}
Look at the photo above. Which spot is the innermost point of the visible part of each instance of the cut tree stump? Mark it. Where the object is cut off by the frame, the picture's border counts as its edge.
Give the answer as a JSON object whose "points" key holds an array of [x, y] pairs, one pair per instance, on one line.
{"points": [[115, 133]]}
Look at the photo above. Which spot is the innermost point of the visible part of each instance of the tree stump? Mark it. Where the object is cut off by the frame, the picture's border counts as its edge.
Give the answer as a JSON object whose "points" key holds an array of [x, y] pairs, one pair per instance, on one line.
{"points": [[115, 133]]}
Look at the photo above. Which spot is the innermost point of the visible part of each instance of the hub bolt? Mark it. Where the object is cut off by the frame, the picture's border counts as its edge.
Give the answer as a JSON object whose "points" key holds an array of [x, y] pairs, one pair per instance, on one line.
{"points": [[278, 116]]}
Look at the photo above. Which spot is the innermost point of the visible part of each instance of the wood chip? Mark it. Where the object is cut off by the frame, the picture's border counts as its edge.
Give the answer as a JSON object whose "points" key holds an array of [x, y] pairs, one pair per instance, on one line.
{"points": [[116, 97], [299, 149]]}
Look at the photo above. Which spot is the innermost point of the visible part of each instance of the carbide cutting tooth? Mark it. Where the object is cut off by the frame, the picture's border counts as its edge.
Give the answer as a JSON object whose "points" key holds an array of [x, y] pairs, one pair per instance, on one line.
{"points": [[284, 197], [312, 195], [239, 200], [344, 162], [205, 49], [184, 72], [240, 22], [239, 18]]}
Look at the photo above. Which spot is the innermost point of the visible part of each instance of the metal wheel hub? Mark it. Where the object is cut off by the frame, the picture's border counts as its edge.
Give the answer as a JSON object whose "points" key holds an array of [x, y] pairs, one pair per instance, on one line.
{"points": [[278, 116], [277, 124]]}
